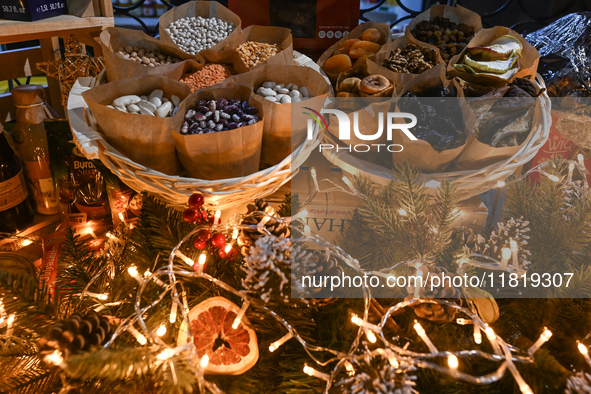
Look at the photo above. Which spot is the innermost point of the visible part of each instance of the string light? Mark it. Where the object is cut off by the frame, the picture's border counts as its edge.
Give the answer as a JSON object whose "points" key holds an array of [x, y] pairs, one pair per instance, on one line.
{"points": [[477, 334], [102, 297], [147, 274], [418, 284], [371, 337], [571, 168], [402, 212], [421, 331], [317, 374], [55, 358], [453, 361], [204, 361], [584, 351], [122, 218], [349, 368], [349, 184], [91, 232], [9, 324], [181, 256], [138, 336], [501, 184], [553, 178], [307, 231], [492, 337], [240, 314], [277, 344], [462, 322], [235, 233], [315, 179], [173, 310], [505, 256], [514, 250], [112, 237], [201, 263], [216, 218], [228, 248], [133, 272], [161, 331], [546, 334]]}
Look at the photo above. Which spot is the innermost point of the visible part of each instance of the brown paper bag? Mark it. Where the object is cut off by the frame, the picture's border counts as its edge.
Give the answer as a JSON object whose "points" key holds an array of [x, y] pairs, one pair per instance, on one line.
{"points": [[113, 38], [400, 79], [144, 139], [478, 154], [382, 27], [420, 153], [278, 136], [225, 154], [205, 9], [528, 64], [457, 14], [226, 56], [269, 35]]}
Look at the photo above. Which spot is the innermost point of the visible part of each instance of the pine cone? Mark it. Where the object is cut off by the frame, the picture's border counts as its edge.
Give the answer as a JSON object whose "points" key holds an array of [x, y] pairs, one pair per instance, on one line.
{"points": [[376, 379], [267, 269], [436, 312], [76, 334], [257, 212], [579, 384], [316, 263]]}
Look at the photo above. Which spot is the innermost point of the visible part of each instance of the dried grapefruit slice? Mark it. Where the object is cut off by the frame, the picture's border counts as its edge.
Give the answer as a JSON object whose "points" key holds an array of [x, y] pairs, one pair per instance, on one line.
{"points": [[231, 351]]}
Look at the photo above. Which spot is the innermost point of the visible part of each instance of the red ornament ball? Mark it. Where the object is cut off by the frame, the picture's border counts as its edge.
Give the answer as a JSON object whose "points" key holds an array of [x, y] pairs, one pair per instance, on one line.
{"points": [[199, 244], [196, 201], [203, 235], [218, 240], [190, 215]]}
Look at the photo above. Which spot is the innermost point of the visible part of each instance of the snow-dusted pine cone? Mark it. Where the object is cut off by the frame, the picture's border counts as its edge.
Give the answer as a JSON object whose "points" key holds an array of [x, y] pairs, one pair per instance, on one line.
{"points": [[436, 312], [76, 334], [260, 211], [313, 264], [381, 379], [579, 384]]}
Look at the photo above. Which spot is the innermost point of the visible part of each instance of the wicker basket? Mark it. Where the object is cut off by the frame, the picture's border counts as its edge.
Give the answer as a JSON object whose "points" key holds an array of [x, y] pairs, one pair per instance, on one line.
{"points": [[175, 190], [470, 183]]}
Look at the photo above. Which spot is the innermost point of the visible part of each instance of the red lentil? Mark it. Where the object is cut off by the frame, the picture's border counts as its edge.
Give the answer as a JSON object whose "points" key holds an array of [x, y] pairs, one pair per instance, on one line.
{"points": [[210, 74]]}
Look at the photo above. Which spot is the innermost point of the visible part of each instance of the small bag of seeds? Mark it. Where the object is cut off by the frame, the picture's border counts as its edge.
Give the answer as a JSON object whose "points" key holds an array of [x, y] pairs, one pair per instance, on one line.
{"points": [[133, 53], [289, 89], [144, 136], [265, 44], [199, 27], [222, 132]]}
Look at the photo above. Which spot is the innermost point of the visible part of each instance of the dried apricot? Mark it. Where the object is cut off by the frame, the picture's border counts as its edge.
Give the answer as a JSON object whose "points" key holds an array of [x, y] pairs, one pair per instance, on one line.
{"points": [[345, 46], [350, 85], [372, 35], [363, 48], [337, 64]]}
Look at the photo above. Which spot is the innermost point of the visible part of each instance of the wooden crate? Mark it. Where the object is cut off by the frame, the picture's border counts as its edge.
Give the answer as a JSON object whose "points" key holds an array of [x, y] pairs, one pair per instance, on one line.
{"points": [[92, 18]]}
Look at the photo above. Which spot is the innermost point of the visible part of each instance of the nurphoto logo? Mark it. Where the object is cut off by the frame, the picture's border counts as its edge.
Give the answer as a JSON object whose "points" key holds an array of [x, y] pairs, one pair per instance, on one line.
{"points": [[344, 134]]}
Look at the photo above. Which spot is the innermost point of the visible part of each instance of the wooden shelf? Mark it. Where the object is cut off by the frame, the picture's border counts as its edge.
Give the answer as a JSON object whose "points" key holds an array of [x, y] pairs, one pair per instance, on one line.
{"points": [[13, 31]]}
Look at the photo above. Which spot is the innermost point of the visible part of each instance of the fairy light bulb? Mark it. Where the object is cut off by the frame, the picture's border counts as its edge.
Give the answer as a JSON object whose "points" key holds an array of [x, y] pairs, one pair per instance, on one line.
{"points": [[317, 374], [235, 233], [402, 212], [585, 352], [571, 168], [240, 314], [138, 336], [204, 361], [514, 250], [544, 337], [173, 310], [122, 217], [349, 184], [303, 213], [165, 355], [277, 344], [216, 217], [349, 368], [132, 271], [55, 358], [371, 337], [9, 324], [228, 248], [91, 232], [112, 237], [201, 263], [477, 335], [492, 337], [553, 178], [453, 361], [421, 331], [161, 330], [462, 322], [501, 184], [392, 360], [307, 231], [505, 256], [181, 256]]}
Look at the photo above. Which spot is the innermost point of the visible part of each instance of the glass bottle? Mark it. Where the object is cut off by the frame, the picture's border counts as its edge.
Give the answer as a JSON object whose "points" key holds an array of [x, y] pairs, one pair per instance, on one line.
{"points": [[30, 140]]}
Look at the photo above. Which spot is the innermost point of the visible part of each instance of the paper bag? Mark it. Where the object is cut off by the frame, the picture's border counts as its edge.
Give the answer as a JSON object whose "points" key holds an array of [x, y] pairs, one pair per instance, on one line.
{"points": [[269, 35], [278, 136], [144, 139], [457, 14], [224, 154], [355, 33], [205, 9], [400, 79], [528, 63], [420, 153]]}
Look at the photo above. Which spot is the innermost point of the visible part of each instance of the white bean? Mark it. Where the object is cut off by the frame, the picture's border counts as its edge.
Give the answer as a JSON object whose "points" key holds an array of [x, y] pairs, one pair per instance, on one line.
{"points": [[126, 100]]}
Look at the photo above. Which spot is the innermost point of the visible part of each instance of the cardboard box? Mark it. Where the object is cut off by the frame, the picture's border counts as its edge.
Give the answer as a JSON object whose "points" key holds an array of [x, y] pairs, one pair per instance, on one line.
{"points": [[32, 10]]}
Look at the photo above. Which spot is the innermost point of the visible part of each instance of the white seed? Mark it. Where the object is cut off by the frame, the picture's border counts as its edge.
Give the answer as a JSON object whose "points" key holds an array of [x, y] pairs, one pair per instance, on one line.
{"points": [[175, 100], [268, 92], [269, 84], [294, 93], [121, 108], [283, 91], [285, 99], [147, 105], [133, 108], [293, 87], [288, 86], [156, 101], [164, 109], [156, 93], [296, 99], [271, 98], [126, 100], [304, 91], [144, 111]]}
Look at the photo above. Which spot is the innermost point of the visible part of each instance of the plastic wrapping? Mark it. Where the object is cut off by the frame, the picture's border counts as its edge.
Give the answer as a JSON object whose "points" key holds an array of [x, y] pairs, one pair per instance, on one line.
{"points": [[565, 47]]}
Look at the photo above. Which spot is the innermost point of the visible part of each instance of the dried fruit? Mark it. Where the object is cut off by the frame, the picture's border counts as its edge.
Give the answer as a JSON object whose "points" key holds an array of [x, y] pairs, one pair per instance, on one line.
{"points": [[363, 48], [411, 59], [345, 46], [231, 351], [374, 84], [372, 34], [350, 85], [337, 64]]}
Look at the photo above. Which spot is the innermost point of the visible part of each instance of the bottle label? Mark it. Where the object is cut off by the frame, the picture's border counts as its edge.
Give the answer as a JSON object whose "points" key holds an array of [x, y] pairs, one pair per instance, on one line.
{"points": [[13, 192], [39, 175]]}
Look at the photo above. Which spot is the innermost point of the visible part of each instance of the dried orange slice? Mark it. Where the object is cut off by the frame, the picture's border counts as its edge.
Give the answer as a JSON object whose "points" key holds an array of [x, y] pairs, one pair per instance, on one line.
{"points": [[231, 351]]}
